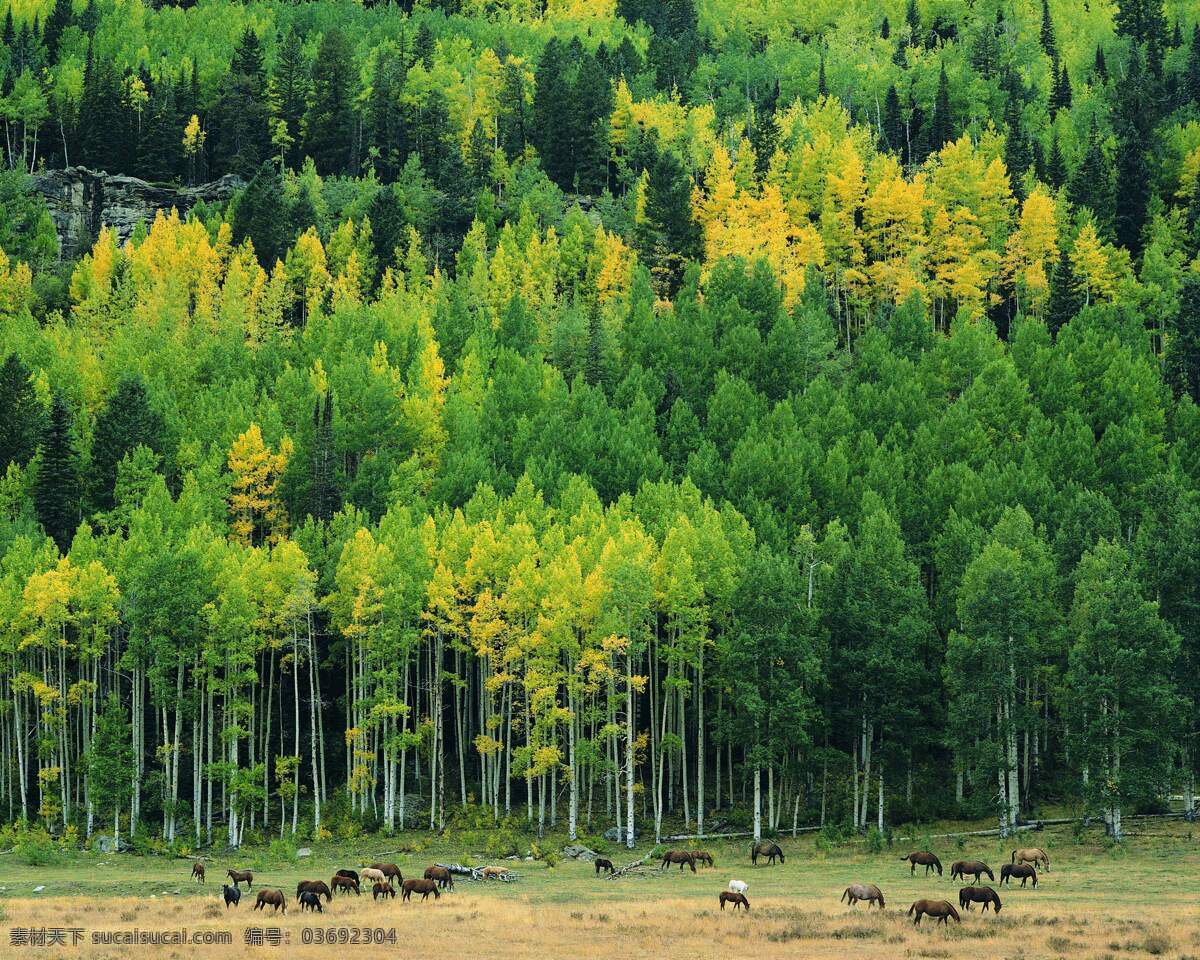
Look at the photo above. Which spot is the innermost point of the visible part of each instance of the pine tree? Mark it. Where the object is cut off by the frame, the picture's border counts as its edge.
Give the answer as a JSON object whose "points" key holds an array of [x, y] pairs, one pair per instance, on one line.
{"points": [[1182, 360], [21, 420], [56, 493], [1091, 184], [1192, 82], [1064, 300], [822, 85], [61, 16], [591, 105], [941, 124], [1133, 127], [912, 18], [126, 422], [385, 124], [329, 122], [259, 215], [1056, 166], [513, 120], [239, 126], [885, 28], [289, 93], [1049, 43], [1060, 96], [551, 103], [1099, 66], [668, 236], [893, 122], [110, 761]]}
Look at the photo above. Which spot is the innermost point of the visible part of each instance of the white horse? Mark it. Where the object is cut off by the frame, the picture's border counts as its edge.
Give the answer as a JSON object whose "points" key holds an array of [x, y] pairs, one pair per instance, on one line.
{"points": [[738, 886]]}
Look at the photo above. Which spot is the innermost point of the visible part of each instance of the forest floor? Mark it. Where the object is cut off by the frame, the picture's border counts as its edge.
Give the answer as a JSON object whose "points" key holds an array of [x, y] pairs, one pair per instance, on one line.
{"points": [[1096, 902]]}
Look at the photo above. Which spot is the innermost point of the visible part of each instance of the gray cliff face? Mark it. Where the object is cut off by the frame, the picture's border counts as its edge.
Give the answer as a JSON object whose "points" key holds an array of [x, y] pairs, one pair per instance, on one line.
{"points": [[81, 201]]}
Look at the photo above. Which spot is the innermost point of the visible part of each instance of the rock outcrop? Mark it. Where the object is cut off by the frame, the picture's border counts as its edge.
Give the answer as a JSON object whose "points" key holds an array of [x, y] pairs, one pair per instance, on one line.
{"points": [[81, 201]]}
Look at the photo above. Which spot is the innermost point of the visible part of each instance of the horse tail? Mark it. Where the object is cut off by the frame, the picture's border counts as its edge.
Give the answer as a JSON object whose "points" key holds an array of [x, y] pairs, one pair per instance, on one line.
{"points": [[1014, 857], [843, 900], [910, 910]]}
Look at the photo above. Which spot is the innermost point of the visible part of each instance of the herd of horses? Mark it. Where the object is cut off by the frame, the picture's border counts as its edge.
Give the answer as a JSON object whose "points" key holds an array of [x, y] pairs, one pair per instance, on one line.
{"points": [[1023, 866], [378, 877]]}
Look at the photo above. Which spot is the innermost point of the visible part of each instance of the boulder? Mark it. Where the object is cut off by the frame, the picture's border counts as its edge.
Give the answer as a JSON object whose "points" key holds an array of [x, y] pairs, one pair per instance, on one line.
{"points": [[304, 852], [108, 844], [575, 851]]}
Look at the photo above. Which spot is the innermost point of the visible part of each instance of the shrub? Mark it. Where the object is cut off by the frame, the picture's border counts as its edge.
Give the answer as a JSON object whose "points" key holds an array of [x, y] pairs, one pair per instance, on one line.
{"points": [[36, 848], [283, 848]]}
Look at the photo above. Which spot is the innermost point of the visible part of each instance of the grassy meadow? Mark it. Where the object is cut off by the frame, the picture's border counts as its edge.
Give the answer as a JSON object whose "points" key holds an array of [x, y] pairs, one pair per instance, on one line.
{"points": [[1096, 902]]}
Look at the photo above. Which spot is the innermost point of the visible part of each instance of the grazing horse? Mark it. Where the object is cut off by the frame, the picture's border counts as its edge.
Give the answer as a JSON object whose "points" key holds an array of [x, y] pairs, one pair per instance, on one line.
{"points": [[371, 875], [310, 900], [238, 876], [495, 873], [319, 887], [444, 878], [273, 897], [232, 895], [703, 856], [737, 899], [1022, 870], [960, 868], [383, 890], [863, 891], [424, 887], [340, 882], [925, 859], [739, 886], [680, 857], [765, 848], [198, 872], [602, 864], [985, 895], [1035, 855], [389, 870], [352, 874], [942, 909]]}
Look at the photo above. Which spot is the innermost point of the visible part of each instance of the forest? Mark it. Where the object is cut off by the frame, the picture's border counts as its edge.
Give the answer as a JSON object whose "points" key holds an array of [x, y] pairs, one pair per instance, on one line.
{"points": [[591, 414]]}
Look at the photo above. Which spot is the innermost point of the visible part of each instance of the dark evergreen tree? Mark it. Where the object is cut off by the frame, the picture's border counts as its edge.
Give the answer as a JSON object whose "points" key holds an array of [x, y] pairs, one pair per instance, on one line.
{"points": [[329, 122], [1049, 43], [56, 492], [62, 15], [1091, 185], [941, 124], [1134, 127], [1183, 341], [1142, 21], [385, 124], [127, 421], [259, 214], [1065, 300], [893, 122], [591, 103], [289, 94], [1060, 95], [513, 119], [1099, 66], [551, 103], [822, 85], [764, 133], [20, 421], [885, 28], [1056, 166], [239, 131], [912, 17], [668, 236], [1192, 82]]}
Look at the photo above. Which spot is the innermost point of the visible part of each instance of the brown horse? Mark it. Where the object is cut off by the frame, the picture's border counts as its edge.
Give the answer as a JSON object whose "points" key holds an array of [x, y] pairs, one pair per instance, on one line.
{"points": [[495, 873], [942, 909], [1035, 855], [765, 848], [241, 876], [444, 878], [924, 859], [310, 900], [352, 874], [342, 882], [389, 870], [383, 890], [680, 857], [1022, 870], [960, 868], [424, 887], [602, 864], [274, 898], [198, 872], [319, 887], [985, 895], [737, 899], [863, 891], [703, 856]]}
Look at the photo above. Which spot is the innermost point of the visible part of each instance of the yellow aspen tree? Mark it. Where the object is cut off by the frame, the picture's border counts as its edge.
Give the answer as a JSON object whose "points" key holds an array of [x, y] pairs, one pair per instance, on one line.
{"points": [[1093, 276], [257, 513], [1032, 251]]}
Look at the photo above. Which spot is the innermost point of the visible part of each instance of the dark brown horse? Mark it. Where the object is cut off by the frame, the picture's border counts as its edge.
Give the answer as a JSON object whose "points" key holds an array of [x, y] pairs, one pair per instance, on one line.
{"points": [[232, 895], [342, 882], [241, 876], [1022, 870], [960, 868], [274, 898], [444, 878], [703, 856], [737, 899], [319, 887], [352, 874], [198, 872], [424, 887], [680, 857], [383, 890], [924, 859], [311, 901], [863, 891], [985, 895], [942, 909], [389, 870], [1035, 855], [602, 864], [765, 848]]}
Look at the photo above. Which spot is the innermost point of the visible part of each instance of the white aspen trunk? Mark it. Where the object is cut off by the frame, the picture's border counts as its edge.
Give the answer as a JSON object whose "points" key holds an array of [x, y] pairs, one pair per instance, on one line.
{"points": [[757, 804], [573, 810], [700, 745], [630, 720], [1116, 772]]}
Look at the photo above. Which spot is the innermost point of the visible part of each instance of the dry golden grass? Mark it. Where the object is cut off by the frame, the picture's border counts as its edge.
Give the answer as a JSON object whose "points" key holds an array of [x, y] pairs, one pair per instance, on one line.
{"points": [[1096, 904]]}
